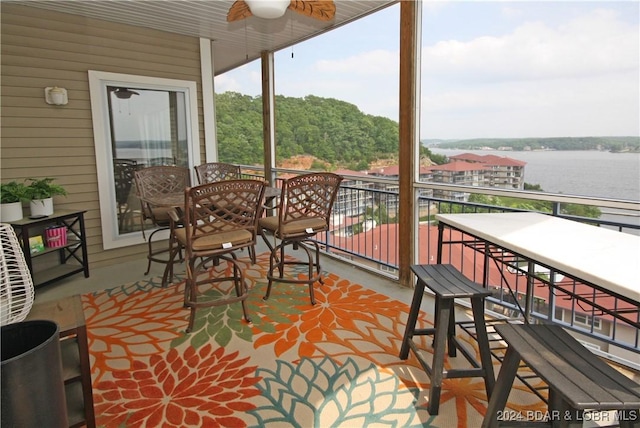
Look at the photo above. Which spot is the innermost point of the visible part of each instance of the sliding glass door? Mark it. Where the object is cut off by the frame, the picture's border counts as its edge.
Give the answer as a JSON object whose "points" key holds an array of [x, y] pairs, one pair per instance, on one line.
{"points": [[138, 122]]}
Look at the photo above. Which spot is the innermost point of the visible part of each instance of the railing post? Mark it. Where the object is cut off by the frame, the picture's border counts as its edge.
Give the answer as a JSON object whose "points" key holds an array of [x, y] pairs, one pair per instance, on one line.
{"points": [[529, 294], [440, 241]]}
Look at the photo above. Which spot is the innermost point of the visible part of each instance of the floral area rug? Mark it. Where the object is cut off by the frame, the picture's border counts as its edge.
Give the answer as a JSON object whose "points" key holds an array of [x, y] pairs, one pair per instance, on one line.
{"points": [[334, 364]]}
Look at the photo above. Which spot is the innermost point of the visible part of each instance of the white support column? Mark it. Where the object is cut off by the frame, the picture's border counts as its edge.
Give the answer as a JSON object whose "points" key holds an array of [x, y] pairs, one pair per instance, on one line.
{"points": [[208, 100], [268, 114]]}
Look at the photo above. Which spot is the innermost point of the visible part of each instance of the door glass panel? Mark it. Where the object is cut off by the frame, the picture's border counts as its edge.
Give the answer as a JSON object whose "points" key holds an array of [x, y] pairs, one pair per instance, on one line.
{"points": [[147, 129], [138, 121]]}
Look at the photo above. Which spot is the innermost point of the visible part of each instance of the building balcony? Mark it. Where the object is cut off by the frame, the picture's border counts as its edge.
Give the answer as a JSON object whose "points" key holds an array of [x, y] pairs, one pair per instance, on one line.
{"points": [[369, 259]]}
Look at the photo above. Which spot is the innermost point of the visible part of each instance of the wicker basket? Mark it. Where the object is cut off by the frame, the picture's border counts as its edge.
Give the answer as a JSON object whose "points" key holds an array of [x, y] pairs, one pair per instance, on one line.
{"points": [[16, 284]]}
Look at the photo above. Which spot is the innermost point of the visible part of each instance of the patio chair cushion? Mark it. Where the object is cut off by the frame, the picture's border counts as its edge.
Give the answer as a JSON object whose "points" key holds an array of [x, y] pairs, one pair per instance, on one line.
{"points": [[211, 242], [295, 227], [161, 215]]}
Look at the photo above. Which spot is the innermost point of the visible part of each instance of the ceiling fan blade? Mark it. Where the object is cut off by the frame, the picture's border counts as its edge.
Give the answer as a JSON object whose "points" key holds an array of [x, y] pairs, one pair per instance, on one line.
{"points": [[318, 9], [124, 93], [239, 10]]}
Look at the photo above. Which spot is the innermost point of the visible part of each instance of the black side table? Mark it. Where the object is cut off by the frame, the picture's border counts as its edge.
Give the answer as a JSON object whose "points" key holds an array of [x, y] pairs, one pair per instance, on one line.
{"points": [[72, 256]]}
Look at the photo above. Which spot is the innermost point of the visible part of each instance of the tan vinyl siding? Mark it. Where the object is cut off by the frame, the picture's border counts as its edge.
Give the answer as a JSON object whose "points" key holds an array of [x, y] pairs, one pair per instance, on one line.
{"points": [[41, 48]]}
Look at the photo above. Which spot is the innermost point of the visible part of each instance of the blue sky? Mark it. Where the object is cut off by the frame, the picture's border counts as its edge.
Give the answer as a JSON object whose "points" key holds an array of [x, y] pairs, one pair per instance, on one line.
{"points": [[501, 69]]}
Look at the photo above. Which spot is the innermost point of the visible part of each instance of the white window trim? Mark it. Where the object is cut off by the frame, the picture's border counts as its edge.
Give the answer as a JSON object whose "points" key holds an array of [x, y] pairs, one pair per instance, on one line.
{"points": [[589, 321], [98, 82], [590, 345]]}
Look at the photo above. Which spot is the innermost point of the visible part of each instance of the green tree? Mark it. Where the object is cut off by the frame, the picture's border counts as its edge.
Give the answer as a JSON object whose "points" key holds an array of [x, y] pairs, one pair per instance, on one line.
{"points": [[333, 131]]}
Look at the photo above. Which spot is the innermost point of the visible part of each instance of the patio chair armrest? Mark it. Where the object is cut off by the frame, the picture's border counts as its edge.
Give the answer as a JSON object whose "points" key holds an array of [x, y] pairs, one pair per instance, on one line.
{"points": [[174, 215]]}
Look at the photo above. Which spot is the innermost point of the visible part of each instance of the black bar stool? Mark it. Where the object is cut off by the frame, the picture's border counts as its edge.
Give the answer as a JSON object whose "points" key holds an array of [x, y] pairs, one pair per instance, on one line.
{"points": [[448, 284]]}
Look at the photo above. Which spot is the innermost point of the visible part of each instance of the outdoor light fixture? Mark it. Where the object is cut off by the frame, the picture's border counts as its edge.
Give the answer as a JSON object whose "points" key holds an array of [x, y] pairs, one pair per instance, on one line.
{"points": [[268, 9], [56, 96]]}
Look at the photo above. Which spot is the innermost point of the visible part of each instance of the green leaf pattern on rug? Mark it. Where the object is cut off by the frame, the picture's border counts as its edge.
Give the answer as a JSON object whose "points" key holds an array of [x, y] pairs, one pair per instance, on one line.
{"points": [[283, 305], [219, 323], [325, 393]]}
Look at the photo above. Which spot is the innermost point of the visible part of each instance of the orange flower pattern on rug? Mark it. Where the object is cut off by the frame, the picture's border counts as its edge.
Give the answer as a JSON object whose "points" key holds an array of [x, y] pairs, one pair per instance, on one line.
{"points": [[340, 307], [126, 326], [198, 388], [290, 365]]}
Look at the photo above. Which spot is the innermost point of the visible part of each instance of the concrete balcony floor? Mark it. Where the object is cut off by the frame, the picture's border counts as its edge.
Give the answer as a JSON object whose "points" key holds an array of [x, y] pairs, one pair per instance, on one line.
{"points": [[130, 271]]}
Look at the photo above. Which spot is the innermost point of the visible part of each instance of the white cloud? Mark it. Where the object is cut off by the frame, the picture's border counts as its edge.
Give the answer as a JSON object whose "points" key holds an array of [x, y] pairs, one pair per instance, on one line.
{"points": [[244, 80], [594, 44], [368, 79], [564, 107], [512, 12], [577, 78], [375, 62], [227, 82]]}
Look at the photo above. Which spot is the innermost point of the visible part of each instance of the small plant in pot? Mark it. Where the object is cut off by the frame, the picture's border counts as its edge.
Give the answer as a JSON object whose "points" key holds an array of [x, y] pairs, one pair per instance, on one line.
{"points": [[12, 195], [41, 192]]}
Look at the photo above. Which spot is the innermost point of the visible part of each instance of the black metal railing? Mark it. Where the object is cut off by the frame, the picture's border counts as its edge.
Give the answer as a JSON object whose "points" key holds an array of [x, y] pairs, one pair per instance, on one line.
{"points": [[365, 233]]}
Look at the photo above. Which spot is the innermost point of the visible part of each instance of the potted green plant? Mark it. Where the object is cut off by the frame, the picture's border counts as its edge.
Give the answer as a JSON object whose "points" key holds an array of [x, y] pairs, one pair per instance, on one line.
{"points": [[12, 195], [41, 192]]}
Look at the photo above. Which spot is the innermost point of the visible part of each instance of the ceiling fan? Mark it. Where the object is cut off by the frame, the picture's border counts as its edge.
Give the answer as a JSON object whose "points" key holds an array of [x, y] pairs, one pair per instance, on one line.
{"points": [[124, 93], [271, 9]]}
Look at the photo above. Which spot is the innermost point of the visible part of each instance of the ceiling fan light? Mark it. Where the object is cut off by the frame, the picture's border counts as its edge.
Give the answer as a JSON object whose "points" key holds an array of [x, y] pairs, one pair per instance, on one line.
{"points": [[268, 9]]}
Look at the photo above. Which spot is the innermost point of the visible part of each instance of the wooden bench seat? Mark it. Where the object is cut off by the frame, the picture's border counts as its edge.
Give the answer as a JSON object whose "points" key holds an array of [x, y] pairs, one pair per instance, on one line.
{"points": [[578, 380]]}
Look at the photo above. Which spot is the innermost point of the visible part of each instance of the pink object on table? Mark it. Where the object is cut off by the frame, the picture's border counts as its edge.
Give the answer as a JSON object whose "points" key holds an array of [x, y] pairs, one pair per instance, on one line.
{"points": [[56, 236]]}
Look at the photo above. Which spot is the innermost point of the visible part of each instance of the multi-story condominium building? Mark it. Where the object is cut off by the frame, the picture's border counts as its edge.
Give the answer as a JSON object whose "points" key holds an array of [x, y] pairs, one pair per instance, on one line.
{"points": [[462, 173], [393, 172], [350, 202], [465, 169], [499, 171]]}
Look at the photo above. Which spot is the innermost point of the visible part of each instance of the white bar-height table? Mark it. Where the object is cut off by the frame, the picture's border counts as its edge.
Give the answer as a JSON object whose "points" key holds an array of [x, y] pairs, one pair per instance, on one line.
{"points": [[605, 259]]}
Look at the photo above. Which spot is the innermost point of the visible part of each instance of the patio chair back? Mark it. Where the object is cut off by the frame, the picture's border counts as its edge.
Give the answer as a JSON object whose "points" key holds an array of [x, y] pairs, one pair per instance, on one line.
{"points": [[217, 171], [219, 219], [307, 201], [123, 174], [227, 208], [156, 181], [305, 210]]}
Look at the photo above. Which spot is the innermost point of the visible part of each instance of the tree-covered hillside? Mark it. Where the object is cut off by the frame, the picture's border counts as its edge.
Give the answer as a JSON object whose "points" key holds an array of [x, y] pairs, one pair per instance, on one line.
{"points": [[338, 133], [334, 131]]}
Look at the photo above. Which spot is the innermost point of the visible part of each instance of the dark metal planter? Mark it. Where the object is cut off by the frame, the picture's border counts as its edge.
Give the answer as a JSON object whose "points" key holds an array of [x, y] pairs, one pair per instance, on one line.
{"points": [[31, 376]]}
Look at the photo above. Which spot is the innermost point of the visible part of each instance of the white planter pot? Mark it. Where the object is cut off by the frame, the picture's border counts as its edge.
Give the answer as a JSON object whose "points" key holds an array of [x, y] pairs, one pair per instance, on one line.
{"points": [[41, 207], [11, 212]]}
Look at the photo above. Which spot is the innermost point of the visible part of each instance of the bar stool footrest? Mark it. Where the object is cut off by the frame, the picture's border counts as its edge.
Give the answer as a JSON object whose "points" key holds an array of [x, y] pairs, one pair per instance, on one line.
{"points": [[455, 341]]}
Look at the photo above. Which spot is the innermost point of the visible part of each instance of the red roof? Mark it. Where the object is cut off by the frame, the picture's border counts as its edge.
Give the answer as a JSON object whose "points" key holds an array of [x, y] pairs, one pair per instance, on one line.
{"points": [[506, 162], [350, 172], [459, 166], [488, 159], [394, 171], [391, 170], [380, 245], [468, 157]]}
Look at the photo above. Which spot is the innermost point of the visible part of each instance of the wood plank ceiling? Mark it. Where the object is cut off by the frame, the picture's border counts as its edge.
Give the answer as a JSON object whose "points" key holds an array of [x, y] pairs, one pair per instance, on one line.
{"points": [[235, 43]]}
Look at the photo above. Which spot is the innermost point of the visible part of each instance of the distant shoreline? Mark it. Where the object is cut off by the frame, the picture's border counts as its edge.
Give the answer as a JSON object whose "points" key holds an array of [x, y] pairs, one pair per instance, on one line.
{"points": [[600, 144], [513, 149]]}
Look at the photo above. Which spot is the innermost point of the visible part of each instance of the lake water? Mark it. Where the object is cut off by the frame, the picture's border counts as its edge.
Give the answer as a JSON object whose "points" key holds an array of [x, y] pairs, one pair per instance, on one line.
{"points": [[584, 173]]}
